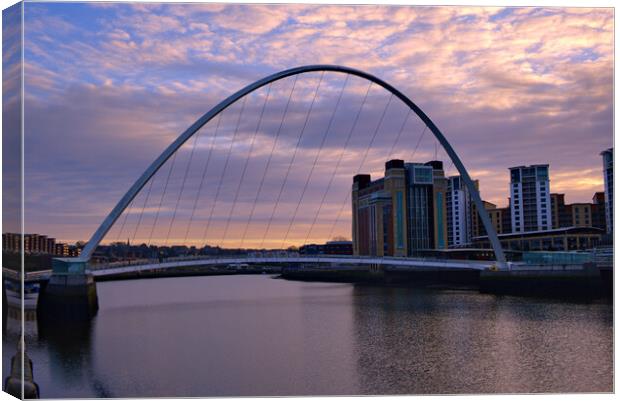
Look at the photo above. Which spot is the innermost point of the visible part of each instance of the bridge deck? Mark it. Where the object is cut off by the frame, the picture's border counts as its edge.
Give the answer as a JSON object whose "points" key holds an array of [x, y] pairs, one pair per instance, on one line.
{"points": [[395, 263]]}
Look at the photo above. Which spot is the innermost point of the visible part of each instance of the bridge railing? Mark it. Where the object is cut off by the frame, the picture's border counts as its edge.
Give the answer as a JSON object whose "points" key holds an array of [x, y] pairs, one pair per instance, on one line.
{"points": [[283, 257]]}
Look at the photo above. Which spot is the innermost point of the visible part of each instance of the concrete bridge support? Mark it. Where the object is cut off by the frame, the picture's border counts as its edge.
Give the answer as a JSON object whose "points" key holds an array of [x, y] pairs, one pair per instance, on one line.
{"points": [[71, 294]]}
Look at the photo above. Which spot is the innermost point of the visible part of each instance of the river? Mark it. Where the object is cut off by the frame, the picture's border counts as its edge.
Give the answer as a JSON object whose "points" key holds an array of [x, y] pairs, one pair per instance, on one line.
{"points": [[255, 335]]}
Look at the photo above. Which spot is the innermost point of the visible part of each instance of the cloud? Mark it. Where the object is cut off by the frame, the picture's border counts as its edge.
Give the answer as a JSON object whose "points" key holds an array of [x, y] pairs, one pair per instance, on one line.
{"points": [[108, 91]]}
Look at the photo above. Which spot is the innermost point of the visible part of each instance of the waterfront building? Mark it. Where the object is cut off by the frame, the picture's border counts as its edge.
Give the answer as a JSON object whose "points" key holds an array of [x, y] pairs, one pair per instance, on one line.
{"points": [[379, 210], [598, 211], [420, 212], [33, 244], [61, 249], [506, 216], [50, 246], [402, 213], [339, 247], [558, 210], [440, 207], [578, 214], [11, 242], [463, 219], [530, 200], [608, 176], [329, 248], [498, 217], [560, 239], [30, 241], [581, 214], [74, 251]]}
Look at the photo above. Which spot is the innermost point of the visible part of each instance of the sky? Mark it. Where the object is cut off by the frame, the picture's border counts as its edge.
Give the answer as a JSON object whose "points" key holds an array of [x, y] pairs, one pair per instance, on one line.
{"points": [[109, 85]]}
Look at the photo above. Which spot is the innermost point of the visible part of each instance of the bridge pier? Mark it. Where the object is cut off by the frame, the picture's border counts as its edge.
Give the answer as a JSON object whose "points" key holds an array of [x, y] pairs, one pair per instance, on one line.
{"points": [[71, 294]]}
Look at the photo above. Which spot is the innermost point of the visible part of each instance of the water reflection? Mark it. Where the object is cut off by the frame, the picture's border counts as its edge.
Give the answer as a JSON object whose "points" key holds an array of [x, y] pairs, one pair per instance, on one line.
{"points": [[69, 346], [418, 341], [253, 335]]}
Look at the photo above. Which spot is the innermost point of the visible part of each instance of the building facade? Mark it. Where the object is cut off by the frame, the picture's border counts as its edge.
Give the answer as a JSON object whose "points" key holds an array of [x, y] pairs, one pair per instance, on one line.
{"points": [[379, 210], [402, 213], [34, 244], [500, 219], [329, 248], [608, 176], [560, 239], [578, 214], [530, 199], [463, 217], [440, 209], [598, 211], [420, 212]]}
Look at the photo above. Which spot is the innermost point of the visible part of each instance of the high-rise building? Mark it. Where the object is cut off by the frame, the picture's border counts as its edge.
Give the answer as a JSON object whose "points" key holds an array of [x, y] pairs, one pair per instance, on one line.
{"points": [[11, 242], [420, 212], [395, 184], [61, 249], [402, 213], [379, 224], [578, 214], [557, 209], [598, 211], [506, 215], [33, 243], [495, 215], [440, 210], [608, 175], [461, 219], [581, 214], [530, 199]]}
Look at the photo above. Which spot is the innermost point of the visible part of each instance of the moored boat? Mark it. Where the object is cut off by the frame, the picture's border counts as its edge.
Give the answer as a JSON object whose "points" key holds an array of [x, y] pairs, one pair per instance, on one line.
{"points": [[13, 290]]}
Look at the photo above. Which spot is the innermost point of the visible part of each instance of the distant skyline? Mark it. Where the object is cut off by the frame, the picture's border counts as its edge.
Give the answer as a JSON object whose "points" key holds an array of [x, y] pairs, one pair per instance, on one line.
{"points": [[109, 85]]}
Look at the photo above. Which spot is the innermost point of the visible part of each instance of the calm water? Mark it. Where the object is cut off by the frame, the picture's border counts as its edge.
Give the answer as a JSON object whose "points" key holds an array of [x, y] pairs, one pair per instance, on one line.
{"points": [[254, 335]]}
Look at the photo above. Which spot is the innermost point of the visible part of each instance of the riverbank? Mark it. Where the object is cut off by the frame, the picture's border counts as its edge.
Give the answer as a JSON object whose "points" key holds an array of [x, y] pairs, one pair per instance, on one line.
{"points": [[578, 281]]}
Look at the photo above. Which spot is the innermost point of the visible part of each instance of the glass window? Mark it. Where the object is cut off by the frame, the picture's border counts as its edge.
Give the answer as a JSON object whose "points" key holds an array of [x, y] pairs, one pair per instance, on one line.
{"points": [[423, 175], [542, 173]]}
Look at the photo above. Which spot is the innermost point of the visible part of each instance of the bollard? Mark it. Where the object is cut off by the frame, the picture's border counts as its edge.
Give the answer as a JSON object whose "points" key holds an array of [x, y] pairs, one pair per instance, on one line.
{"points": [[13, 383]]}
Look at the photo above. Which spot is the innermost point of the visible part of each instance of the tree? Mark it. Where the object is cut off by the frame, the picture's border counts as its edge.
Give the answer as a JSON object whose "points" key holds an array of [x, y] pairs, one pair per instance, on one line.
{"points": [[340, 238]]}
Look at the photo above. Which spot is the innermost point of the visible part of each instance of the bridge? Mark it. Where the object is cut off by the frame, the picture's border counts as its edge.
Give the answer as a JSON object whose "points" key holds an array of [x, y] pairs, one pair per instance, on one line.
{"points": [[388, 262], [72, 279]]}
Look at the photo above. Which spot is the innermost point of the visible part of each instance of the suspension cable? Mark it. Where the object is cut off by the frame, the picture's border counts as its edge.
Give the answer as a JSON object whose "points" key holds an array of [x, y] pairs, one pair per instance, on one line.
{"points": [[245, 166], [418, 144], [146, 199], [362, 162], [288, 170], [202, 179], [176, 207], [340, 157], [402, 128], [273, 147], [161, 200], [316, 158], [219, 186], [118, 236]]}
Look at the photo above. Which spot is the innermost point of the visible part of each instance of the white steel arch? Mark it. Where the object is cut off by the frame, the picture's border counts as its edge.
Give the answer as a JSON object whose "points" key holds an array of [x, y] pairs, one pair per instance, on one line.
{"points": [[124, 202]]}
